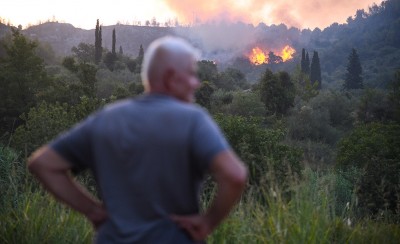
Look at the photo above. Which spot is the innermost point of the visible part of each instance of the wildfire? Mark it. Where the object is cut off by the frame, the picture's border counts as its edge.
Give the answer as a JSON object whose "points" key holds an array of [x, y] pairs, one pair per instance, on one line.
{"points": [[258, 56]]}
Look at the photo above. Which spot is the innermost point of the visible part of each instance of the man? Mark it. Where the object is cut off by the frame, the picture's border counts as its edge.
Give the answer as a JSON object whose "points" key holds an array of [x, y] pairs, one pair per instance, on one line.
{"points": [[149, 156]]}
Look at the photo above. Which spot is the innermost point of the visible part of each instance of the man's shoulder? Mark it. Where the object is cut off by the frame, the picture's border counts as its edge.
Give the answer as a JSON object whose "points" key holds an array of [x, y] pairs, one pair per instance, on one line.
{"points": [[152, 104]]}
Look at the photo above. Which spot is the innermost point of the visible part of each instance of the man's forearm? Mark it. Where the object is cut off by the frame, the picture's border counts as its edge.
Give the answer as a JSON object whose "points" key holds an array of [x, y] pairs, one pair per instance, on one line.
{"points": [[53, 172], [227, 196], [67, 190]]}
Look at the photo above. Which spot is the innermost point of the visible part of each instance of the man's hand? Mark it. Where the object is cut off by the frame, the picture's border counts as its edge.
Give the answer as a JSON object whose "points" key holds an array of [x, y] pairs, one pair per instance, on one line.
{"points": [[97, 216], [197, 226]]}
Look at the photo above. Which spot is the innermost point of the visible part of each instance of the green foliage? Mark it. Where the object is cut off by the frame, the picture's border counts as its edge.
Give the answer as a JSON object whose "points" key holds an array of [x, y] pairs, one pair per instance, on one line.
{"points": [[70, 64], [36, 217], [114, 39], [84, 52], [375, 149], [394, 97], [22, 79], [207, 70], [324, 118], [204, 93], [44, 122], [98, 43], [277, 92], [242, 103], [353, 78], [231, 79], [315, 71], [373, 107], [307, 218], [261, 149], [139, 60], [109, 60]]}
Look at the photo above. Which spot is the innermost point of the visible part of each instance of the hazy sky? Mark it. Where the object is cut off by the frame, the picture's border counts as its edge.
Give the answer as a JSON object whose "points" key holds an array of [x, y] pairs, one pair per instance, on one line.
{"points": [[83, 13]]}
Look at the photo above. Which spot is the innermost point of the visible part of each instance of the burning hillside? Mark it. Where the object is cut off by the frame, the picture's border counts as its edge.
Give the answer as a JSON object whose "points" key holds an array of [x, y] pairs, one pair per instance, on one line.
{"points": [[259, 56]]}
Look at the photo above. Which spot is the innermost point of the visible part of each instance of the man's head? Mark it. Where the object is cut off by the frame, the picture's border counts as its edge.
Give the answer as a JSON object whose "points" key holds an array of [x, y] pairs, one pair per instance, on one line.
{"points": [[169, 67]]}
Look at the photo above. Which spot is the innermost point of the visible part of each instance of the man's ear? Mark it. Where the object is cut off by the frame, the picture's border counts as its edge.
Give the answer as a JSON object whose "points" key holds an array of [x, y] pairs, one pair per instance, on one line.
{"points": [[168, 78]]}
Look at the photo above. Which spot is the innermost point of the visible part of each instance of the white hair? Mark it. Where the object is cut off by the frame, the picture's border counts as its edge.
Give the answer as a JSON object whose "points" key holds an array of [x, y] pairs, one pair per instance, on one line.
{"points": [[172, 45]]}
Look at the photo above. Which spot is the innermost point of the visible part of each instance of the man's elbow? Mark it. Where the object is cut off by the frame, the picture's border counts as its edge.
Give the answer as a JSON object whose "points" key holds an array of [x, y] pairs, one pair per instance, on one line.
{"points": [[239, 179], [34, 165]]}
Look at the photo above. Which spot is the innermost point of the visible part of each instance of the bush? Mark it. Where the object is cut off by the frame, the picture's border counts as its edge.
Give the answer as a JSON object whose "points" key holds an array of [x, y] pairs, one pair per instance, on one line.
{"points": [[375, 150], [261, 149], [46, 121]]}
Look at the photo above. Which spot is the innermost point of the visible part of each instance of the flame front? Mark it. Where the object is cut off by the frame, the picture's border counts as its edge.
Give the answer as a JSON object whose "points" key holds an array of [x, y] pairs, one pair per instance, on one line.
{"points": [[258, 56], [287, 53]]}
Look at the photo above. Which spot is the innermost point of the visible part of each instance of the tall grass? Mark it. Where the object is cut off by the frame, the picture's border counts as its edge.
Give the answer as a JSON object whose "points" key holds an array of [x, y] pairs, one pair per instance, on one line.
{"points": [[311, 213]]}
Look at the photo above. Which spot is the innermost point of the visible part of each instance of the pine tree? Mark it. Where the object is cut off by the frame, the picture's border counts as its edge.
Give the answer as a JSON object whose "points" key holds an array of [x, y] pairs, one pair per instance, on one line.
{"points": [[97, 43], [121, 52], [353, 79], [113, 42], [307, 65], [315, 72]]}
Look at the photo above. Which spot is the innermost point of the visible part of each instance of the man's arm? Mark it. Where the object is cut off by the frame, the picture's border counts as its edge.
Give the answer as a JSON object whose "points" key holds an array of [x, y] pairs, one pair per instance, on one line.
{"points": [[53, 171], [231, 176]]}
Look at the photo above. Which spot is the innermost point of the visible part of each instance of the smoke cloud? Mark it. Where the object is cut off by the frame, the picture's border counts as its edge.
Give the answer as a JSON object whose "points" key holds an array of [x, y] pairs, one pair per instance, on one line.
{"points": [[295, 13]]}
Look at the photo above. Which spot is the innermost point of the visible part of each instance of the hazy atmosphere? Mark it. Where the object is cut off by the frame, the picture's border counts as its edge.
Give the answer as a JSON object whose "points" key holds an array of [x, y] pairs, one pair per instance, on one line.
{"points": [[306, 94], [300, 14]]}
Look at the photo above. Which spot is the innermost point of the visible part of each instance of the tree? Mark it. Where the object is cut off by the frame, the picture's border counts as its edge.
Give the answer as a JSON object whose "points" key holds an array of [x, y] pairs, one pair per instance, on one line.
{"points": [[207, 70], [353, 79], [277, 92], [374, 150], [85, 53], [98, 43], [204, 93], [22, 79], [307, 65], [315, 72], [121, 52], [114, 39], [272, 58], [303, 60], [139, 59]]}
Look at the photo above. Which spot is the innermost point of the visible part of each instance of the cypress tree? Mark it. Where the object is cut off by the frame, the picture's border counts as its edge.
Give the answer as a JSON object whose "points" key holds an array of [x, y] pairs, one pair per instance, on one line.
{"points": [[307, 65], [113, 42], [315, 72], [353, 79], [97, 43], [121, 52], [139, 60], [303, 60]]}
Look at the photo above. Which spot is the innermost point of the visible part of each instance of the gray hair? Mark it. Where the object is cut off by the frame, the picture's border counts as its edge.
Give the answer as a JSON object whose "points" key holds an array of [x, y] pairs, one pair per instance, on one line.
{"points": [[172, 45]]}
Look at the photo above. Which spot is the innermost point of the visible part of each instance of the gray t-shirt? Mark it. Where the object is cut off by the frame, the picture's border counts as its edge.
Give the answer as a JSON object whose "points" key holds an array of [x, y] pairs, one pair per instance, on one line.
{"points": [[149, 156]]}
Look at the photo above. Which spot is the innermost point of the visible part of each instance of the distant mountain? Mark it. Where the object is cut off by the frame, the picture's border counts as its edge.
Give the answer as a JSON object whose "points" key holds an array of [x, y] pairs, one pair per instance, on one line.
{"points": [[62, 37], [374, 33]]}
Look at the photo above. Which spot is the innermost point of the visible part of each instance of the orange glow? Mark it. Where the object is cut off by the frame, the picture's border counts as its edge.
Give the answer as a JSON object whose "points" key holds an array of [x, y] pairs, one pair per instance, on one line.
{"points": [[287, 53], [258, 56]]}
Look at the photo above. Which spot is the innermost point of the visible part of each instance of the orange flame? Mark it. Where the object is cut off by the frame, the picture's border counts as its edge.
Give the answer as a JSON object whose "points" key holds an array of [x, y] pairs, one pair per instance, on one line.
{"points": [[287, 53], [258, 56]]}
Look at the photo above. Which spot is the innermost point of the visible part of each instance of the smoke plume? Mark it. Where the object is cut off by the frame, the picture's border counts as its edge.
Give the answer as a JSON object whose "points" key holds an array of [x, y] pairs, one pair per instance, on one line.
{"points": [[300, 14]]}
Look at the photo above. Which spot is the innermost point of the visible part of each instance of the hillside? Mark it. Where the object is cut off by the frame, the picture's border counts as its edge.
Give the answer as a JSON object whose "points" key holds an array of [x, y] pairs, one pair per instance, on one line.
{"points": [[374, 33]]}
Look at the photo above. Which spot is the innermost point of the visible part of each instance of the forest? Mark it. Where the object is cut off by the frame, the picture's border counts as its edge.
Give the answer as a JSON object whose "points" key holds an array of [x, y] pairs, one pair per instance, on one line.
{"points": [[319, 133]]}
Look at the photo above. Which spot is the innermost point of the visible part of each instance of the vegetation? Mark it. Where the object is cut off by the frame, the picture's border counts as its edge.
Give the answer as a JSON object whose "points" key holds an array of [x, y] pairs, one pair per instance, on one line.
{"points": [[324, 161]]}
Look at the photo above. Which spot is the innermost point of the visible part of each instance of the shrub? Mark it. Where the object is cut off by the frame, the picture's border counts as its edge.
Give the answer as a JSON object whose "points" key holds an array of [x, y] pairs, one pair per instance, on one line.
{"points": [[375, 150], [261, 148]]}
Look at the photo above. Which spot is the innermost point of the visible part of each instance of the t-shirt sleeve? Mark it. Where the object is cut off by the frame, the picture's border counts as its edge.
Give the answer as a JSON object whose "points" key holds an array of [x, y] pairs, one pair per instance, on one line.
{"points": [[75, 145], [208, 140]]}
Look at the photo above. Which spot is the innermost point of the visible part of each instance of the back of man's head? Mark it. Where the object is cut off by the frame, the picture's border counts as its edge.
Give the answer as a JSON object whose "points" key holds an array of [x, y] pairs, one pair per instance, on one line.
{"points": [[162, 54]]}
